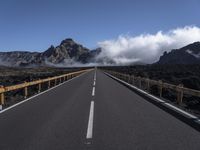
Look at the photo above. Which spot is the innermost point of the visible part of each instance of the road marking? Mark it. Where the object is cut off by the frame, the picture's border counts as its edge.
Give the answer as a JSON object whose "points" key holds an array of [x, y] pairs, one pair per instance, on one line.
{"points": [[30, 98], [91, 115], [158, 99], [95, 75], [90, 121], [182, 111], [93, 91]]}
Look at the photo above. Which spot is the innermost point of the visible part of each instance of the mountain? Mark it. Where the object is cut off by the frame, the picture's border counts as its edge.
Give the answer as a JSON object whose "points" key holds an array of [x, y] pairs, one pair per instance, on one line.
{"points": [[67, 53], [189, 54]]}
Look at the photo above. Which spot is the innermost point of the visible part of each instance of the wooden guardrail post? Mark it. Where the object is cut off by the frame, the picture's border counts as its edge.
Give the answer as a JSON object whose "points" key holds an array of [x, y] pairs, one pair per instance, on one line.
{"points": [[120, 76], [129, 78], [49, 84], [148, 84], [133, 79], [26, 91], [117, 74], [114, 74], [67, 77], [2, 97], [59, 80], [140, 82], [39, 87], [160, 87], [124, 75], [55, 82], [179, 89]]}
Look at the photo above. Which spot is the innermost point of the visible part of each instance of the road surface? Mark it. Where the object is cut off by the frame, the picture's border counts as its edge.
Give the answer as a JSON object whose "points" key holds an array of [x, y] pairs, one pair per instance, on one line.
{"points": [[93, 112]]}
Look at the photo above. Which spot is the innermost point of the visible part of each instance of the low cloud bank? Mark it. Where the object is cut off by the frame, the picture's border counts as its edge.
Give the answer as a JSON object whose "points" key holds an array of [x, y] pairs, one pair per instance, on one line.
{"points": [[147, 48]]}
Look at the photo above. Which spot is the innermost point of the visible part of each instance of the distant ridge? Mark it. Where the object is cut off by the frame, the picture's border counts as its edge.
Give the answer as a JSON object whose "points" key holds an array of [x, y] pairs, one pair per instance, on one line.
{"points": [[66, 54], [189, 54], [69, 53]]}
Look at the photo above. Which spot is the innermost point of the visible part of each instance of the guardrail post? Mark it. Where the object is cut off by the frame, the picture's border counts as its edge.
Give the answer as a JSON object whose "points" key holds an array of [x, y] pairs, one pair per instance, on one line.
{"points": [[124, 77], [25, 91], [160, 87], [39, 87], [60, 79], [55, 82], [140, 82], [114, 74], [179, 93], [49, 84], [2, 97], [148, 84], [133, 79], [129, 79], [117, 74]]}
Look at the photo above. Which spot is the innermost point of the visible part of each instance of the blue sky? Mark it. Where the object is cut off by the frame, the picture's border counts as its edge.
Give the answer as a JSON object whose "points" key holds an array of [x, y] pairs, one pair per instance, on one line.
{"points": [[36, 24]]}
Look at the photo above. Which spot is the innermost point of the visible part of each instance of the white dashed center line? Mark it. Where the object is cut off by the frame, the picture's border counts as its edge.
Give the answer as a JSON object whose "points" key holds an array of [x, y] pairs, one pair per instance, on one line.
{"points": [[91, 114], [90, 122], [93, 91]]}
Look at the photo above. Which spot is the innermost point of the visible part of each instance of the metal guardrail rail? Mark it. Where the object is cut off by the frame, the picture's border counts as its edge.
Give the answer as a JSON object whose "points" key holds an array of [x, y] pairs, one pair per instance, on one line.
{"points": [[179, 89], [25, 85]]}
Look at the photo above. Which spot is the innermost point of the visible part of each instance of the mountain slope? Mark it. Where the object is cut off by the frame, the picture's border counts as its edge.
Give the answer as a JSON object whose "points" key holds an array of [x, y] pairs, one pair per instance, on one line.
{"points": [[67, 53], [189, 54]]}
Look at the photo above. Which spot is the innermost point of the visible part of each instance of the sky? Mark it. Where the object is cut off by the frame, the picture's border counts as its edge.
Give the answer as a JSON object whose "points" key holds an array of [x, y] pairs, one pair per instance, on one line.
{"points": [[34, 25]]}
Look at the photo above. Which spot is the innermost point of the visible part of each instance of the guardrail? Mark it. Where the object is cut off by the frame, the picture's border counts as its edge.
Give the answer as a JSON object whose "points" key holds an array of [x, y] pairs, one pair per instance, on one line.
{"points": [[179, 89], [56, 80]]}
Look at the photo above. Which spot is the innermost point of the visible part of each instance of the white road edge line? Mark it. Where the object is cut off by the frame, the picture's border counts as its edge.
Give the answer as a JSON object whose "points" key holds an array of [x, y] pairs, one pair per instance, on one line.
{"points": [[6, 109], [94, 83], [93, 91], [158, 99], [90, 121]]}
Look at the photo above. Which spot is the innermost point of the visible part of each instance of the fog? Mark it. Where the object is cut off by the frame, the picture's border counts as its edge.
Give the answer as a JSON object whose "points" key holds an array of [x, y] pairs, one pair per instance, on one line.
{"points": [[147, 48]]}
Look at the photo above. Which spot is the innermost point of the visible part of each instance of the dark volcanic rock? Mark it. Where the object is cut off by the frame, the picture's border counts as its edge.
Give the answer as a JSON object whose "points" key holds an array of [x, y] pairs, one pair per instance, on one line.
{"points": [[189, 54], [19, 58]]}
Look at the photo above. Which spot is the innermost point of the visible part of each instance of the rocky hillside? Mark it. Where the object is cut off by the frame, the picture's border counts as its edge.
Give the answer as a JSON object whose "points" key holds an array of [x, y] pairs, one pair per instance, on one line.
{"points": [[189, 54], [67, 53]]}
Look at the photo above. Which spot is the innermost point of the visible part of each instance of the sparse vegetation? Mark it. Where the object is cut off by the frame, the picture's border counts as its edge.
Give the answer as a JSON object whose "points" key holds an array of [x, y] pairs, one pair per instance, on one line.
{"points": [[12, 76]]}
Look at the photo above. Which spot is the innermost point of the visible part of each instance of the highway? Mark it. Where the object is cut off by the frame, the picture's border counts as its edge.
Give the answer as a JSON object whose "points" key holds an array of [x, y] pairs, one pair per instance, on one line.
{"points": [[93, 112]]}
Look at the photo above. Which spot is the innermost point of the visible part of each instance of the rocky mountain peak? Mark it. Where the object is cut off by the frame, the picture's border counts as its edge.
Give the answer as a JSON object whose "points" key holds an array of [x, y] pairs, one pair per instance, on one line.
{"points": [[68, 41], [66, 53], [189, 54]]}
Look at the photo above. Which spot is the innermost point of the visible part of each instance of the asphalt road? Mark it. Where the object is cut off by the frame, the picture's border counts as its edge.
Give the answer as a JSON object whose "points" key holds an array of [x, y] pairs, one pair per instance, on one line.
{"points": [[93, 112]]}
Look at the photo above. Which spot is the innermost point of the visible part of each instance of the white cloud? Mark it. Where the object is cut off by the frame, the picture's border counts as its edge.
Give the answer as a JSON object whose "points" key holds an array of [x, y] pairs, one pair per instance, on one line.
{"points": [[147, 48]]}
